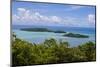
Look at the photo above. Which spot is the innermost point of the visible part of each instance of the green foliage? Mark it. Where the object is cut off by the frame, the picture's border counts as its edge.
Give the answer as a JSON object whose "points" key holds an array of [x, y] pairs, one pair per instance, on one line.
{"points": [[89, 49], [50, 51], [42, 30], [75, 35]]}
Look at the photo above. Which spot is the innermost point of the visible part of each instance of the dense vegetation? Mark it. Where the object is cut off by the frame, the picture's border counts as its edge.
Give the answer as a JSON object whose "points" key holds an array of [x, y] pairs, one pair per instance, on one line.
{"points": [[75, 35], [41, 30], [37, 29], [50, 51], [59, 31]]}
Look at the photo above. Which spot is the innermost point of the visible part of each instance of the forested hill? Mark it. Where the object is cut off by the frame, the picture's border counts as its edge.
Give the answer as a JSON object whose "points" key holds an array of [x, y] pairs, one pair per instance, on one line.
{"points": [[50, 52]]}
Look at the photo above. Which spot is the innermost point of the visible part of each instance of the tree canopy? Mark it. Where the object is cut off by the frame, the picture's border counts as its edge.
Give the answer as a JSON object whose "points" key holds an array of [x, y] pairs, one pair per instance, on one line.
{"points": [[50, 52]]}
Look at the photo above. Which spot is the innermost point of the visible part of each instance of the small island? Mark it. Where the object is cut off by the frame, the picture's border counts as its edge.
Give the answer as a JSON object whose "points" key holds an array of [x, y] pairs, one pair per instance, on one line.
{"points": [[76, 35], [41, 30], [36, 29], [59, 31]]}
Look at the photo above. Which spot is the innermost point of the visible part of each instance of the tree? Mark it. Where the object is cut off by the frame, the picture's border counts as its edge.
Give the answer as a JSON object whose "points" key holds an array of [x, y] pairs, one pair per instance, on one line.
{"points": [[50, 51], [89, 49]]}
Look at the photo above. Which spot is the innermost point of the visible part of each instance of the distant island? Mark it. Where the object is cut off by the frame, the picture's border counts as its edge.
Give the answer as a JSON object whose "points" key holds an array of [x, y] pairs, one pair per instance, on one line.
{"points": [[59, 32], [36, 29], [75, 35], [41, 30]]}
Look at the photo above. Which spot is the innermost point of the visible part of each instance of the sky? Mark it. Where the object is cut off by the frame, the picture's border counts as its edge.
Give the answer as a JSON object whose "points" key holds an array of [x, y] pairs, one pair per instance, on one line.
{"points": [[50, 14]]}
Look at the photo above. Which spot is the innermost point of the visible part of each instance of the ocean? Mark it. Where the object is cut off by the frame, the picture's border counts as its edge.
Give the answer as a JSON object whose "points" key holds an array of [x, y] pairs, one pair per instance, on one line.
{"points": [[39, 37]]}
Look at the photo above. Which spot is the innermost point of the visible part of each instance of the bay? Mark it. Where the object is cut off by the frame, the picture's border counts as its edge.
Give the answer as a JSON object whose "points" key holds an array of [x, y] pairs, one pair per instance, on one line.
{"points": [[40, 37]]}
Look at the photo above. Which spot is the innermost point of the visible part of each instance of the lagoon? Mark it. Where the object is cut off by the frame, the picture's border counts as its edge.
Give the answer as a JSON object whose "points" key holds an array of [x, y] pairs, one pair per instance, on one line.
{"points": [[39, 37]]}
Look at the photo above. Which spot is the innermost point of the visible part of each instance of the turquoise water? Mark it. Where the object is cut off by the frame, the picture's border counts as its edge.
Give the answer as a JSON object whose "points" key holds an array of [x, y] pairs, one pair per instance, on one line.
{"points": [[39, 37]]}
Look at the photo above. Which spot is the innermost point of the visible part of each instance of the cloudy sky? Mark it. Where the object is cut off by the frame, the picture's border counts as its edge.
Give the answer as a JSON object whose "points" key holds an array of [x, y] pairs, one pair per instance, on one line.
{"points": [[43, 14]]}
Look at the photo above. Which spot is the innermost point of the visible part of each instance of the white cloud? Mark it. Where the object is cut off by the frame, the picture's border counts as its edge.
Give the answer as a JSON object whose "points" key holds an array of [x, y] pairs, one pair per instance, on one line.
{"points": [[15, 17], [55, 19], [21, 9], [74, 8], [91, 18], [26, 16]]}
